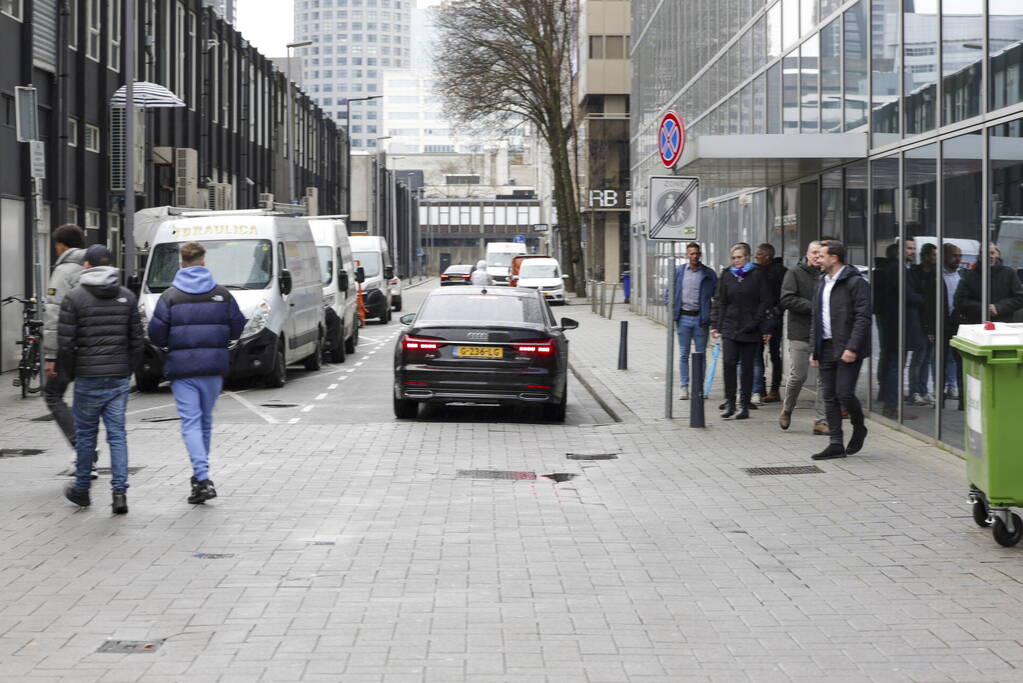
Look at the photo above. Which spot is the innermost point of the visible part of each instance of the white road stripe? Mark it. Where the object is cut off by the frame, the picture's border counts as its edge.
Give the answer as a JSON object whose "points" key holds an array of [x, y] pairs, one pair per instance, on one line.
{"points": [[332, 387], [307, 409], [294, 420], [321, 397], [364, 358], [251, 406], [344, 377]]}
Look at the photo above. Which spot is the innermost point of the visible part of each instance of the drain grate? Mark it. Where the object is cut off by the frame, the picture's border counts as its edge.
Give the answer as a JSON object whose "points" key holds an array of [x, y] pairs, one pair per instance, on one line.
{"points": [[278, 405], [214, 556], [591, 456], [795, 469], [19, 452], [131, 647], [496, 474], [161, 418]]}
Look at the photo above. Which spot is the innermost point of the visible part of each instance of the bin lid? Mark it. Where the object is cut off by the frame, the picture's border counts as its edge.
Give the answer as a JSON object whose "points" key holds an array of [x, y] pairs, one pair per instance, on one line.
{"points": [[1002, 334]]}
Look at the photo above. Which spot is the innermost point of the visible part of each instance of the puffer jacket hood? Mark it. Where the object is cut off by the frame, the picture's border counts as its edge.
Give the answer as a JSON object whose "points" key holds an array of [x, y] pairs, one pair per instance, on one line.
{"points": [[194, 280], [102, 281]]}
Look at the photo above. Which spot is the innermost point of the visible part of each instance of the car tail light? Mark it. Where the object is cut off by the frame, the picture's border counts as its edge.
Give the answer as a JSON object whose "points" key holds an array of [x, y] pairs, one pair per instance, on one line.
{"points": [[415, 384], [393, 281], [445, 276], [467, 277], [409, 343], [537, 348]]}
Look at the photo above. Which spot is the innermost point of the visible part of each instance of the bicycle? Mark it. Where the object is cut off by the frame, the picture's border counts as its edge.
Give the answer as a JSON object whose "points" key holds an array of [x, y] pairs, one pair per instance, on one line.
{"points": [[30, 367]]}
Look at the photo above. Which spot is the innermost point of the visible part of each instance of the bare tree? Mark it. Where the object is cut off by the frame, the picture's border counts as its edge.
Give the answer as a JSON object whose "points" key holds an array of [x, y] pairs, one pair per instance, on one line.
{"points": [[509, 59]]}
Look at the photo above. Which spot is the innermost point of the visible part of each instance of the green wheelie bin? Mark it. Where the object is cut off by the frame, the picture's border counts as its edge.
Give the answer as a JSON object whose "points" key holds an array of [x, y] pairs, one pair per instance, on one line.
{"points": [[992, 389]]}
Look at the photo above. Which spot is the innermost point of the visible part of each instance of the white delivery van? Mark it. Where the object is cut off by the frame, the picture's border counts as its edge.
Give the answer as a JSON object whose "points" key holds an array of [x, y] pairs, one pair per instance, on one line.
{"points": [[543, 274], [340, 290], [381, 290], [270, 265], [499, 258]]}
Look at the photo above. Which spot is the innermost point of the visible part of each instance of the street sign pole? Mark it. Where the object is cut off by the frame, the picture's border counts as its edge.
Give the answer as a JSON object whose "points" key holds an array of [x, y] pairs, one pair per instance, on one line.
{"points": [[669, 366]]}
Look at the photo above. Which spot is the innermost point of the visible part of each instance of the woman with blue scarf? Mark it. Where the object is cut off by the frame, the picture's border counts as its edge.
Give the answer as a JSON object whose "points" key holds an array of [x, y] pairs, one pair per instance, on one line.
{"points": [[739, 317]]}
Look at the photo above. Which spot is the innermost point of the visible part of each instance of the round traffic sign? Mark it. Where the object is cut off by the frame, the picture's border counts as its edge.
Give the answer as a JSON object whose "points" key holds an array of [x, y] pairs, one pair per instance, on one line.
{"points": [[671, 139]]}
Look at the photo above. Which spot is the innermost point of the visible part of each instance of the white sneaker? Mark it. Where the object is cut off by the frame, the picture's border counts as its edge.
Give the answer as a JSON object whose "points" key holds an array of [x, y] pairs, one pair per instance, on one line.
{"points": [[928, 399], [683, 394], [757, 400], [952, 392], [916, 400]]}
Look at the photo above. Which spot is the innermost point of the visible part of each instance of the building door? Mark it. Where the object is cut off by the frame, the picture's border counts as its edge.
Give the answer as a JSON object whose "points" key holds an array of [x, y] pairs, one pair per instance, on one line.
{"points": [[445, 261]]}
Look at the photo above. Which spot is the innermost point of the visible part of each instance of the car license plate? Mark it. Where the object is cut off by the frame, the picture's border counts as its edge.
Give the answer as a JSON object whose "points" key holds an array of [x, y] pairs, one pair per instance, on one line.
{"points": [[478, 351]]}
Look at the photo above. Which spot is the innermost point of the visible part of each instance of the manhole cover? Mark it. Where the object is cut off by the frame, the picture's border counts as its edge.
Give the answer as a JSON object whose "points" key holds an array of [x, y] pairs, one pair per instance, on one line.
{"points": [[279, 405], [130, 646], [42, 418], [796, 469], [19, 452], [161, 418], [559, 477], [591, 456], [214, 556], [496, 474]]}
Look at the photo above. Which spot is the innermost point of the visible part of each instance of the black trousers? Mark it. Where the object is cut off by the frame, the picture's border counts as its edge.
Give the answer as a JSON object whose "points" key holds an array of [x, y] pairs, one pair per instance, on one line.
{"points": [[838, 380], [774, 346], [732, 354], [53, 395]]}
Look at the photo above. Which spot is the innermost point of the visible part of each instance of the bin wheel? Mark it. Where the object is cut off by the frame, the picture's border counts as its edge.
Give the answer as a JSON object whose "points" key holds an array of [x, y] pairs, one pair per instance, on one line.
{"points": [[1002, 535], [980, 514]]}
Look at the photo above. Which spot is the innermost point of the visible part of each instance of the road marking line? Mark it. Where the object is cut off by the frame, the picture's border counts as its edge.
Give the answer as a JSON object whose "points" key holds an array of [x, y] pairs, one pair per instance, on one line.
{"points": [[294, 420], [365, 357], [332, 387], [143, 410], [352, 370], [251, 406], [344, 377], [321, 397], [307, 409], [357, 365]]}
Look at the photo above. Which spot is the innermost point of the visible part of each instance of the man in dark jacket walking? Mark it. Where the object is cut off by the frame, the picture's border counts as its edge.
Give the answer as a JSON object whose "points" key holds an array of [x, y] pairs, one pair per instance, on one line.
{"points": [[99, 341], [840, 334], [1004, 299], [774, 272], [196, 320], [797, 292], [695, 285]]}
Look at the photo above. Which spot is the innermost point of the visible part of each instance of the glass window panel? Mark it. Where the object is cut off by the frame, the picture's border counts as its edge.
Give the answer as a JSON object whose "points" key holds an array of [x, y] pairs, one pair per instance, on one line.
{"points": [[885, 71], [884, 279], [829, 6], [790, 92], [855, 45], [962, 44], [919, 320], [746, 110], [831, 77], [774, 99], [790, 22], [919, 65], [807, 15], [856, 213], [831, 207], [774, 32], [759, 43], [788, 244], [809, 66], [759, 110], [1005, 45]]}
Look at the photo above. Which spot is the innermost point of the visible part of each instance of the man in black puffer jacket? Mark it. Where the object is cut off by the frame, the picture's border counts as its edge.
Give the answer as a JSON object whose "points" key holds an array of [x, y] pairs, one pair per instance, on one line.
{"points": [[99, 341]]}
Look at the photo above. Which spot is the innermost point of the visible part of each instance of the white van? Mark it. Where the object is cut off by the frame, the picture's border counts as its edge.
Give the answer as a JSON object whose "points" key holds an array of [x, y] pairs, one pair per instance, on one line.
{"points": [[340, 291], [381, 290], [543, 274], [268, 262], [499, 258]]}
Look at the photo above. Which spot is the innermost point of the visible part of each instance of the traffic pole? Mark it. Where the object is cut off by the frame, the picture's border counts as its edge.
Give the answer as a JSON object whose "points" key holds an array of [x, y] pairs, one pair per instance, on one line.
{"points": [[669, 366], [696, 371], [623, 345]]}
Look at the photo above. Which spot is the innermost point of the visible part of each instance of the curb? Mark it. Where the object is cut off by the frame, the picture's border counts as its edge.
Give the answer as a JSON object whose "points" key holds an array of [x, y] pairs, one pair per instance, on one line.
{"points": [[611, 404], [423, 282]]}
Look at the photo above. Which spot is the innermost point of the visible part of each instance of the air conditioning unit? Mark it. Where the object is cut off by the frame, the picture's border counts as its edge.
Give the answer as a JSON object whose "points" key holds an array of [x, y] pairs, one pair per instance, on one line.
{"points": [[186, 179], [312, 201], [266, 201], [117, 150], [220, 196]]}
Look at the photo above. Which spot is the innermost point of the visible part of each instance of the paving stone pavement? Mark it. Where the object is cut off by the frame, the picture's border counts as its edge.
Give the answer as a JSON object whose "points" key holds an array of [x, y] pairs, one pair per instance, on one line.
{"points": [[356, 553]]}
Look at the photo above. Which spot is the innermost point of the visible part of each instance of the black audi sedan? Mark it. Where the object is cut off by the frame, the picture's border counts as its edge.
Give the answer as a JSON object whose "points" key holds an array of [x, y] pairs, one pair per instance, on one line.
{"points": [[460, 274], [482, 345]]}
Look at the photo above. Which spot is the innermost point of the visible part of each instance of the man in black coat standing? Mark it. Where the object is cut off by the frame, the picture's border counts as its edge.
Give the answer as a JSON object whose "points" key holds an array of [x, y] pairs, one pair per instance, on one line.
{"points": [[840, 334]]}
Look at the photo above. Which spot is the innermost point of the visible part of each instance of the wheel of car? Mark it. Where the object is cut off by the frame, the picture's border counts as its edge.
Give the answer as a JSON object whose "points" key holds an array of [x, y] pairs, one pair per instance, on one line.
{"points": [[397, 304], [353, 341], [278, 374], [386, 317], [315, 361], [405, 409], [146, 384], [337, 346]]}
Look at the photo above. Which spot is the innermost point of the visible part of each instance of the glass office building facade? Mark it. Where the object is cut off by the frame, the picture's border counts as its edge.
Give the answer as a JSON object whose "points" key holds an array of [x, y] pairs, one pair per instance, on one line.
{"points": [[893, 125]]}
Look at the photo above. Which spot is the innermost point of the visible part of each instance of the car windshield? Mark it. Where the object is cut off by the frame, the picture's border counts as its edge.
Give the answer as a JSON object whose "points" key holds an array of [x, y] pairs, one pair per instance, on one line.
{"points": [[539, 270], [326, 264], [482, 308], [501, 259], [235, 264], [369, 260]]}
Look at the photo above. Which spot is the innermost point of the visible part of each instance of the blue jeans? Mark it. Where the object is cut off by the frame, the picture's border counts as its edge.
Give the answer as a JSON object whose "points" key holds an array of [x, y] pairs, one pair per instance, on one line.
{"points": [[689, 331], [195, 398], [921, 367], [97, 397]]}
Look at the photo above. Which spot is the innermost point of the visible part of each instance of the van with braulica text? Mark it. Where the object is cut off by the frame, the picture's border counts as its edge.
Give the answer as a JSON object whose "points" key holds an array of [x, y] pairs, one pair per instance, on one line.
{"points": [[269, 264], [499, 259], [340, 287], [381, 290]]}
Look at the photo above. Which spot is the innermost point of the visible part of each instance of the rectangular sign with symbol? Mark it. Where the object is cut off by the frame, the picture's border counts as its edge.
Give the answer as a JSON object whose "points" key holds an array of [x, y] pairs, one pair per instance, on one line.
{"points": [[674, 208]]}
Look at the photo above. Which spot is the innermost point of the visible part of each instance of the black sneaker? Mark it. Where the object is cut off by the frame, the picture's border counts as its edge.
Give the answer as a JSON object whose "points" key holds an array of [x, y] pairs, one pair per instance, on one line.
{"points": [[80, 498], [856, 441], [202, 491], [834, 450], [119, 504]]}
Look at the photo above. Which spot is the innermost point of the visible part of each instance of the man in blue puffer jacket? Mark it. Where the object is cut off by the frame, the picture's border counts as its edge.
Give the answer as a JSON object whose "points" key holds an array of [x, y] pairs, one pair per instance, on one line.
{"points": [[196, 320]]}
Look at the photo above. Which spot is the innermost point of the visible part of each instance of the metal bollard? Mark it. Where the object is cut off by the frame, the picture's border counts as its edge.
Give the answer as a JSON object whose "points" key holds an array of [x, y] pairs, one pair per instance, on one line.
{"points": [[611, 308], [697, 363], [623, 346]]}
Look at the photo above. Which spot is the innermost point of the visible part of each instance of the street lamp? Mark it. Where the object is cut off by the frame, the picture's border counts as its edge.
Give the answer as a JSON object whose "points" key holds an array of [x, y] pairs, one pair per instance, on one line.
{"points": [[291, 122], [348, 132]]}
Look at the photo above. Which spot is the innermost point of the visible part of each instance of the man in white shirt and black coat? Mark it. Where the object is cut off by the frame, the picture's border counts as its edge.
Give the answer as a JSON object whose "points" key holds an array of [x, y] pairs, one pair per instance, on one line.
{"points": [[840, 334]]}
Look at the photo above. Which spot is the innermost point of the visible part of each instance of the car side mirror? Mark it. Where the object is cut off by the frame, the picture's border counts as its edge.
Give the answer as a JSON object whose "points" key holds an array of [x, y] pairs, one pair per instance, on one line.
{"points": [[569, 324], [284, 281], [360, 275], [407, 318], [343, 281], [388, 272], [564, 276]]}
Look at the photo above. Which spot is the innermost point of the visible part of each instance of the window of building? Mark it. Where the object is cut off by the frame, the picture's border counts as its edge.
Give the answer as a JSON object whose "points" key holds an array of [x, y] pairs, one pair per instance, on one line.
{"points": [[855, 48], [93, 21], [831, 77], [920, 82], [809, 67], [886, 71], [114, 32], [91, 219], [790, 22], [790, 92], [462, 179], [12, 8], [72, 25], [72, 131], [92, 138], [72, 214], [596, 47], [1005, 46]]}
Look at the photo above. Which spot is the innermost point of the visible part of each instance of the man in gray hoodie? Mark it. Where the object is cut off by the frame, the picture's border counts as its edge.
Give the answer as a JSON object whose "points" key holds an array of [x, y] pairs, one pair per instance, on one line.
{"points": [[69, 244], [797, 292]]}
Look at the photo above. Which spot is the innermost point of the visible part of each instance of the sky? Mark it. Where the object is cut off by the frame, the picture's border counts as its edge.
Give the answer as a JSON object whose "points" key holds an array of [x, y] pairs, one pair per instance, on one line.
{"points": [[271, 25]]}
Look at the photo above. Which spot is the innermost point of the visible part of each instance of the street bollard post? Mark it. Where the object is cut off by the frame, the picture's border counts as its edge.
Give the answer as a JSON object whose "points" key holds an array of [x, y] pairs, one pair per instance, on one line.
{"points": [[623, 346], [696, 415]]}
